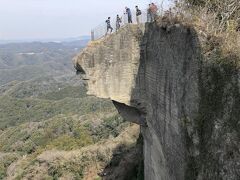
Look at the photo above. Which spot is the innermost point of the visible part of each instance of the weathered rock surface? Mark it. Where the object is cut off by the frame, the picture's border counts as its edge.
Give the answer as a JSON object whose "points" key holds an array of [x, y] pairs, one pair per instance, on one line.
{"points": [[188, 108], [112, 64]]}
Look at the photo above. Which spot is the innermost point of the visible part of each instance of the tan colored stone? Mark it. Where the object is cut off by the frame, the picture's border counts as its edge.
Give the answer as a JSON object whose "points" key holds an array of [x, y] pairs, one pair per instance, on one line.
{"points": [[111, 64]]}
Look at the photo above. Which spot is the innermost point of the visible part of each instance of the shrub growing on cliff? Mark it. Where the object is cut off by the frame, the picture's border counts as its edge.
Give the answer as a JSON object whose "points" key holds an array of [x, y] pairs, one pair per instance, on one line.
{"points": [[5, 161], [216, 21], [220, 15], [80, 139]]}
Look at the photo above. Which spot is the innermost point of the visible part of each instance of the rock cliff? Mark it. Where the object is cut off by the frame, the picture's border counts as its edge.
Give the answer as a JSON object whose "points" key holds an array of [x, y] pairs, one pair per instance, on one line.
{"points": [[187, 107]]}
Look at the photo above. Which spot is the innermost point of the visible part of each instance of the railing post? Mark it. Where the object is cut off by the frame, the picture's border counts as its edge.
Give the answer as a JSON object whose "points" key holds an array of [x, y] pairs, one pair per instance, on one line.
{"points": [[92, 35]]}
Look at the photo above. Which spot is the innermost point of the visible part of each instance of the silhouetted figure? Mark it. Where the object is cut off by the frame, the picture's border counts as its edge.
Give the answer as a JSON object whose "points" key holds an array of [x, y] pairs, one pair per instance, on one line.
{"points": [[129, 14], [109, 27], [118, 22], [138, 14], [154, 10], [149, 13]]}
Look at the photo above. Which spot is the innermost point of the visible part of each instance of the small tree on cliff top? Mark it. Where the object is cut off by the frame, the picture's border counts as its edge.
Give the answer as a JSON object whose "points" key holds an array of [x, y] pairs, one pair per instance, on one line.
{"points": [[218, 20], [226, 13]]}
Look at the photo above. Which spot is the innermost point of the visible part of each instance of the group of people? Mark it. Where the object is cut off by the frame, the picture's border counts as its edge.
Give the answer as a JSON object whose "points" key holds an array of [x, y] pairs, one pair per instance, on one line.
{"points": [[151, 15], [128, 13]]}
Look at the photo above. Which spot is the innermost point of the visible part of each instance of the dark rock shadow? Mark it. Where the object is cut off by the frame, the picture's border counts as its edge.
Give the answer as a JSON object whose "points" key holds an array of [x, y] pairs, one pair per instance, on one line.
{"points": [[126, 163], [190, 104], [167, 89]]}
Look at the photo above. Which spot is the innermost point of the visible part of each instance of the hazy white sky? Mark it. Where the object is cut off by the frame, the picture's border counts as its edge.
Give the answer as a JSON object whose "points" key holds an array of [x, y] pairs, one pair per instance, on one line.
{"points": [[40, 19]]}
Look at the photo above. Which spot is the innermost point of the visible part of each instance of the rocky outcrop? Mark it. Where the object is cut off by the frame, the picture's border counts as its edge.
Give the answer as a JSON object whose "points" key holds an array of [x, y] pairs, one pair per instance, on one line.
{"points": [[187, 107], [112, 64]]}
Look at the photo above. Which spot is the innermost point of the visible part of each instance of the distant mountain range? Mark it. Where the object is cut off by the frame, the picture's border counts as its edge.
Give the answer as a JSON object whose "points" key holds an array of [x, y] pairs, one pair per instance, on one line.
{"points": [[25, 61], [57, 40]]}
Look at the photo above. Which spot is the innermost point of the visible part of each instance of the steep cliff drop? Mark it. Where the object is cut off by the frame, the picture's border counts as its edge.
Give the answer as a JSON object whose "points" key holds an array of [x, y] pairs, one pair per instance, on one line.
{"points": [[188, 108]]}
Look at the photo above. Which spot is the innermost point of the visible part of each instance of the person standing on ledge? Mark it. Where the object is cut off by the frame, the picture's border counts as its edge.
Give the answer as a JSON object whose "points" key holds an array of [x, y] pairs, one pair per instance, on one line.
{"points": [[129, 14], [109, 27], [118, 22], [154, 10], [138, 14], [149, 14]]}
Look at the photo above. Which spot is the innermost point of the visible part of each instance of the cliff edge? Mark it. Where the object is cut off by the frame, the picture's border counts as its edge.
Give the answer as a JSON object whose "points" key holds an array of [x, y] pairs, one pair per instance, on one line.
{"points": [[187, 107]]}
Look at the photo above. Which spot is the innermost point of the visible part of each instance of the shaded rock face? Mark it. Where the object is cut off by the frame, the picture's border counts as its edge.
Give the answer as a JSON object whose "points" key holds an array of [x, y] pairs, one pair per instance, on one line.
{"points": [[188, 109]]}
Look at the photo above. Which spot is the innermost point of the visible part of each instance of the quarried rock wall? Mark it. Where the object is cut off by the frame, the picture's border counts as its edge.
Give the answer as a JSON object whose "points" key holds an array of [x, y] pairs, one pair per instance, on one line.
{"points": [[187, 107]]}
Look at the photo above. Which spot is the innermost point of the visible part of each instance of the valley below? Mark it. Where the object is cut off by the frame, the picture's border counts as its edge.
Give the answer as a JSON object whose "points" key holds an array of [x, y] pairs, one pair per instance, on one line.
{"points": [[49, 127]]}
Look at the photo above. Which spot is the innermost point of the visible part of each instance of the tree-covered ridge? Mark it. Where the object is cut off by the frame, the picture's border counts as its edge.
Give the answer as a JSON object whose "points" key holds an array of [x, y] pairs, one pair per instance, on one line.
{"points": [[64, 119]]}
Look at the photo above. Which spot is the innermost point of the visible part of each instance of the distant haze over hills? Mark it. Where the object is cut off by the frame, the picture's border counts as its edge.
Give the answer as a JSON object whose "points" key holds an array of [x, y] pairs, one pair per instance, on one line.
{"points": [[70, 39], [30, 60]]}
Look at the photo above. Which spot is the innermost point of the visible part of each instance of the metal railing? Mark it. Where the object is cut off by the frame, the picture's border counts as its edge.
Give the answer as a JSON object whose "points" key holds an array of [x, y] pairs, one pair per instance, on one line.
{"points": [[101, 30]]}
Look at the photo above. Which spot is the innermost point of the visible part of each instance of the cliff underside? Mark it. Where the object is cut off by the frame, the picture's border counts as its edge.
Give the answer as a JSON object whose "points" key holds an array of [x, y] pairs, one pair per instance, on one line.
{"points": [[187, 104]]}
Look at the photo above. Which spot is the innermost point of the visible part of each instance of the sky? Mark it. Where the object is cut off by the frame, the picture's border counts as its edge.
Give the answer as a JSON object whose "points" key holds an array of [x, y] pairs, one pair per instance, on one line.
{"points": [[47, 19]]}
